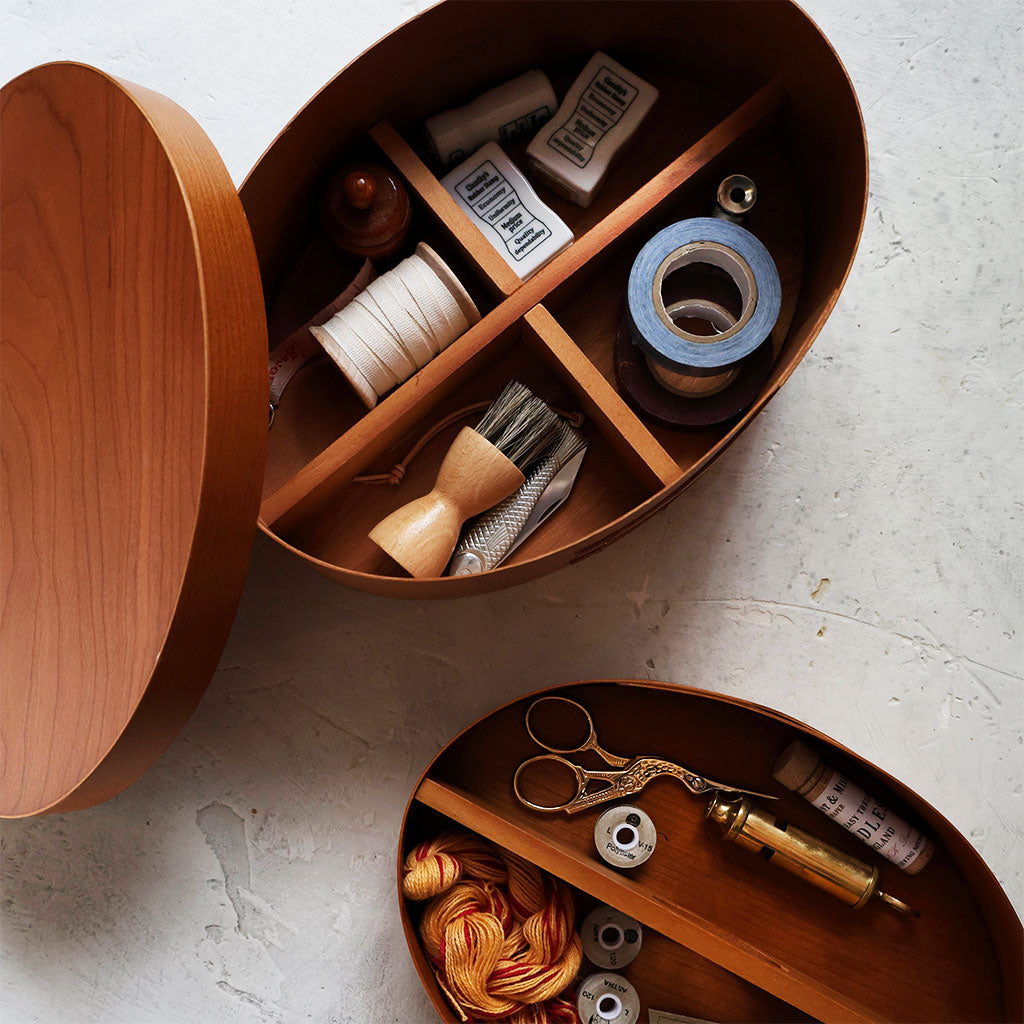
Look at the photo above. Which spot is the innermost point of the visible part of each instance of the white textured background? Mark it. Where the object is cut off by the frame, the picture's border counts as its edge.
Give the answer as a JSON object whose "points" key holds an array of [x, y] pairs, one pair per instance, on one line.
{"points": [[854, 560]]}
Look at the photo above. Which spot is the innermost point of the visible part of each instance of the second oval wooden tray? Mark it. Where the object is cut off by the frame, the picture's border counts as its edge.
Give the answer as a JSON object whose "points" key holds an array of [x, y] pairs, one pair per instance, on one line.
{"points": [[728, 936]]}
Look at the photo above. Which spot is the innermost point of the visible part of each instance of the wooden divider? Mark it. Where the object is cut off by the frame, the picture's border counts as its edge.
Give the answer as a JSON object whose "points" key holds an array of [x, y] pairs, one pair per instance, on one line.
{"points": [[708, 938], [308, 489], [602, 403], [445, 210]]}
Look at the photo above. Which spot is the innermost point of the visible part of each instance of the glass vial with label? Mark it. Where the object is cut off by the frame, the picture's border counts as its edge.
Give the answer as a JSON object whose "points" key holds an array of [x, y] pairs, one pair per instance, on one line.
{"points": [[803, 771]]}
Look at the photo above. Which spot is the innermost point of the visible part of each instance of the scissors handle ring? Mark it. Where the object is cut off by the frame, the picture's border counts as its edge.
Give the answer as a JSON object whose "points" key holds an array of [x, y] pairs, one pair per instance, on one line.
{"points": [[581, 783], [591, 734]]}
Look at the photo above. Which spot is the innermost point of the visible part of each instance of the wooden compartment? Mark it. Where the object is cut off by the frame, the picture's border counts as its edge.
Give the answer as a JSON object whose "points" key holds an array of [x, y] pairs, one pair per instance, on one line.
{"points": [[730, 101], [746, 941], [613, 480]]}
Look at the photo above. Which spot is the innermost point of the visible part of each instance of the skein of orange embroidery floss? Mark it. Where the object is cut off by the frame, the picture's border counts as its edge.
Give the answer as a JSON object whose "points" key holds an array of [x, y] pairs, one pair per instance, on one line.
{"points": [[498, 930]]}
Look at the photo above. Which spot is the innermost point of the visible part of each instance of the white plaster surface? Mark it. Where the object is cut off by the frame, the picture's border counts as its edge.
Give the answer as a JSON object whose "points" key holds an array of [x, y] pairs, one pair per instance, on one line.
{"points": [[854, 560]]}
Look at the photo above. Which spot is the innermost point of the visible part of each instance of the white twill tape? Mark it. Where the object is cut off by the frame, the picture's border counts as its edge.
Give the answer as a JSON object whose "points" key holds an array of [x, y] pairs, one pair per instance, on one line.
{"points": [[380, 341], [406, 301], [347, 366], [397, 325], [410, 335], [445, 316], [450, 281], [370, 366], [416, 278]]}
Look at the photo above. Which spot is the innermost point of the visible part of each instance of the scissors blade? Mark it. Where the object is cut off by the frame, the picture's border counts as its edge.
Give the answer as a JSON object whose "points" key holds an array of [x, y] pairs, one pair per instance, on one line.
{"points": [[723, 788]]}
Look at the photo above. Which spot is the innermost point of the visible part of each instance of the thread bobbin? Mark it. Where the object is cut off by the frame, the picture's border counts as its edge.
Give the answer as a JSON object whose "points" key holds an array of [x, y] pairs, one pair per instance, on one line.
{"points": [[610, 938], [625, 836], [392, 330], [607, 998]]}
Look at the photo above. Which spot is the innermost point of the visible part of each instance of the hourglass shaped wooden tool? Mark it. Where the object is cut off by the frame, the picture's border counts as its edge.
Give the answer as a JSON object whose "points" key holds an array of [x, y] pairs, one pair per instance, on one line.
{"points": [[482, 467]]}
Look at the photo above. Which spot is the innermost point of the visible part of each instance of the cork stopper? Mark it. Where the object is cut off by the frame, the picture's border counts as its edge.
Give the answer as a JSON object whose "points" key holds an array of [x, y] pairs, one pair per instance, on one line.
{"points": [[365, 210], [798, 768]]}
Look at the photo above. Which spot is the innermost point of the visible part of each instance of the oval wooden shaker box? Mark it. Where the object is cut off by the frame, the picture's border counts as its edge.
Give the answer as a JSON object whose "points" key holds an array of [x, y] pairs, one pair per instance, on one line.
{"points": [[728, 936], [136, 455]]}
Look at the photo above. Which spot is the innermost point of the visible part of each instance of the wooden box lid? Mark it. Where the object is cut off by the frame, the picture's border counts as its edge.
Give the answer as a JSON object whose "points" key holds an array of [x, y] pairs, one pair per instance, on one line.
{"points": [[134, 421]]}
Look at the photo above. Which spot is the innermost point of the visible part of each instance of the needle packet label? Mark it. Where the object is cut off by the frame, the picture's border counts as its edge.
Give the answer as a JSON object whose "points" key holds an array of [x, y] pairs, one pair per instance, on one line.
{"points": [[510, 215]]}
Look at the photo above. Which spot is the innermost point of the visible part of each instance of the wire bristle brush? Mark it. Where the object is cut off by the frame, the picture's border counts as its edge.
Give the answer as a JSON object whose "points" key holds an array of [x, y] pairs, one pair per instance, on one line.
{"points": [[482, 467]]}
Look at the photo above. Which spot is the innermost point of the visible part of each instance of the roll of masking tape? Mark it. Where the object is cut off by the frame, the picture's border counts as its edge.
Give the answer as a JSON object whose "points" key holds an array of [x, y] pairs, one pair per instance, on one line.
{"points": [[607, 999], [610, 938], [720, 244]]}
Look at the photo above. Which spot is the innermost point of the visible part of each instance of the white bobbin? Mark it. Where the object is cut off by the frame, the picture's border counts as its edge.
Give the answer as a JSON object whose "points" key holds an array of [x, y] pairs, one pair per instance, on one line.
{"points": [[607, 998], [625, 836], [610, 938], [379, 340]]}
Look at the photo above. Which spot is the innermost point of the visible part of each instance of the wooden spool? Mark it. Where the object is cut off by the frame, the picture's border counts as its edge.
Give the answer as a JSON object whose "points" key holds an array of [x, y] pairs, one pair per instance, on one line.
{"points": [[727, 936]]}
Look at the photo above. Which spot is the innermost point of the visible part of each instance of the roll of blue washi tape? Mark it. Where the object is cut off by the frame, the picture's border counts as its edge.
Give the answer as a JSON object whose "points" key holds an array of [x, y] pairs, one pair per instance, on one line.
{"points": [[719, 243]]}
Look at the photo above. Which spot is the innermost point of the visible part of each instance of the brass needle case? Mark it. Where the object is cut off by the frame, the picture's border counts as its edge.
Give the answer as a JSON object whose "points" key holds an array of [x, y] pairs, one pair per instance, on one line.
{"points": [[837, 873]]}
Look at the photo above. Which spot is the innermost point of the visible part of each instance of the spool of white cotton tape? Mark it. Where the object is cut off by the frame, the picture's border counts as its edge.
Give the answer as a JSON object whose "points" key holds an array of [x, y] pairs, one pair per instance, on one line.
{"points": [[380, 341], [721, 244], [451, 283], [625, 836], [382, 337], [444, 317], [401, 324], [370, 365], [610, 938], [607, 998]]}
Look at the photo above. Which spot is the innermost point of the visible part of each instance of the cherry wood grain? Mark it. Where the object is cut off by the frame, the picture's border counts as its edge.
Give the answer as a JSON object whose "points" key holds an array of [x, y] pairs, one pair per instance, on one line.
{"points": [[960, 961], [605, 490], [133, 429], [636, 444]]}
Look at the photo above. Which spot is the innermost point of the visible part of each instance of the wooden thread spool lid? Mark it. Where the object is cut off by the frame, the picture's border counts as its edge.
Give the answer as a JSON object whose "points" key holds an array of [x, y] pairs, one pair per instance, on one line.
{"points": [[365, 210]]}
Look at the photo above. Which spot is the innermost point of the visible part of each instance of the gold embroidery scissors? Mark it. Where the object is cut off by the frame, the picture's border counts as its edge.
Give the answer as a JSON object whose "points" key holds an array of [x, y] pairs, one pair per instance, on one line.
{"points": [[631, 774]]}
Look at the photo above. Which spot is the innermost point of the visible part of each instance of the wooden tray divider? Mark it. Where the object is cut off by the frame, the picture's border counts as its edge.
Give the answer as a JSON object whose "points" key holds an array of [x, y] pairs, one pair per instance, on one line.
{"points": [[706, 938], [312, 485], [444, 209], [636, 445]]}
